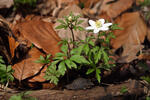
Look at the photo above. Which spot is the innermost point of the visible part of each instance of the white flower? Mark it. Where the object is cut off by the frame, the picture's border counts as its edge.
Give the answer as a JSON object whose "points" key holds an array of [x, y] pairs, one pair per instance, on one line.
{"points": [[98, 25]]}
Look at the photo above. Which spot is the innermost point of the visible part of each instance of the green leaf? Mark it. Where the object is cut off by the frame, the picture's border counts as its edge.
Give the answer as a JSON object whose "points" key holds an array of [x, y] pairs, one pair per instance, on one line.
{"points": [[64, 48], [58, 58], [80, 28], [147, 98], [15, 97], [59, 54], [123, 90], [80, 21], [91, 70], [98, 75], [70, 64], [86, 48], [97, 56], [61, 21], [62, 68], [106, 58], [79, 59], [76, 51], [61, 26], [115, 27], [146, 78]]}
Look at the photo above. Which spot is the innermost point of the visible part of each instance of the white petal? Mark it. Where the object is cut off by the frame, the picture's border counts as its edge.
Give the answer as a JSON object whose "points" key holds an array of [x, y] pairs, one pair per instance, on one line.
{"points": [[92, 23], [102, 21], [107, 24], [104, 28], [96, 30], [89, 28]]}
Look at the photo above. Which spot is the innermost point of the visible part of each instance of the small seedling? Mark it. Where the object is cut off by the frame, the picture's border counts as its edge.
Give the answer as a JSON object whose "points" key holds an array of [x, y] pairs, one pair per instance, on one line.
{"points": [[5, 73]]}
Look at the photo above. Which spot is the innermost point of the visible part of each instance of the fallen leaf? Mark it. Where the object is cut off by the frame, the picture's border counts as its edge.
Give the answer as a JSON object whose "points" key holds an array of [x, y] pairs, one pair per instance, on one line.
{"points": [[72, 8], [116, 7], [41, 34], [40, 76], [6, 3], [13, 44], [132, 35], [27, 67]]}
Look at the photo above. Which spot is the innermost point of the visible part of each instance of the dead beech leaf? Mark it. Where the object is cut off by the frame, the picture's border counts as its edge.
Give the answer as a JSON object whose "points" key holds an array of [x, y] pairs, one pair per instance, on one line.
{"points": [[27, 67], [6, 3], [40, 76], [116, 7], [132, 35], [13, 44], [41, 34], [72, 8]]}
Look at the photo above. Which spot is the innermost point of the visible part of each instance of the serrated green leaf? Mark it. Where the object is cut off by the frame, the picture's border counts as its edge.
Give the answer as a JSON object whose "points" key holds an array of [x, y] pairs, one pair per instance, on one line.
{"points": [[86, 48], [70, 64], [61, 21], [64, 48], [61, 26], [59, 54], [79, 59], [98, 75], [97, 57], [76, 51], [91, 70], [9, 69], [62, 68]]}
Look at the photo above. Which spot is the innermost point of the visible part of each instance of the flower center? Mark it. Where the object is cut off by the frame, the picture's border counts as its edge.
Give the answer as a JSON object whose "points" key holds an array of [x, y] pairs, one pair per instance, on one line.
{"points": [[98, 24]]}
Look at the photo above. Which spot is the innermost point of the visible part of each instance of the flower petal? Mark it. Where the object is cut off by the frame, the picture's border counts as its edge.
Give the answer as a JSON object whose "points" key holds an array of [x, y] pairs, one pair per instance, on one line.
{"points": [[92, 23], [102, 21], [96, 30], [89, 28], [107, 24], [104, 28]]}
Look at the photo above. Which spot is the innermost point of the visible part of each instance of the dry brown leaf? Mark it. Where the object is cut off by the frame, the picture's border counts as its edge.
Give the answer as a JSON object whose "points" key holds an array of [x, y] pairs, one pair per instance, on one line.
{"points": [[132, 35], [116, 8], [41, 34], [72, 8], [27, 67], [13, 44], [6, 3], [40, 76]]}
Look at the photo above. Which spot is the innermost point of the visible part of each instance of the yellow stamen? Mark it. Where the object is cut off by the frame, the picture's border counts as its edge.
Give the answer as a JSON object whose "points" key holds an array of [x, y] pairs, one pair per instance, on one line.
{"points": [[98, 24]]}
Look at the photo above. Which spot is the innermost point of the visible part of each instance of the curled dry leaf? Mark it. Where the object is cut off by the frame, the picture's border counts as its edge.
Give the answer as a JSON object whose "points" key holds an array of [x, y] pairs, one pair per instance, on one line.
{"points": [[113, 8], [41, 34], [27, 67], [132, 35]]}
